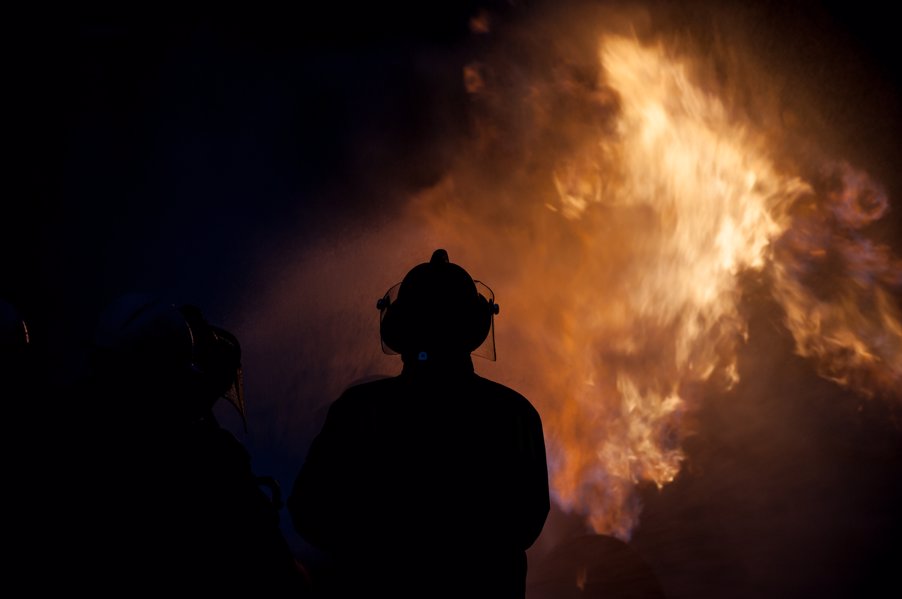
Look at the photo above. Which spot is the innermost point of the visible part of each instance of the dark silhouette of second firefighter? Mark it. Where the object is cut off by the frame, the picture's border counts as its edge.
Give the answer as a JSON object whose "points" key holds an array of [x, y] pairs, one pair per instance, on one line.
{"points": [[178, 507], [432, 483]]}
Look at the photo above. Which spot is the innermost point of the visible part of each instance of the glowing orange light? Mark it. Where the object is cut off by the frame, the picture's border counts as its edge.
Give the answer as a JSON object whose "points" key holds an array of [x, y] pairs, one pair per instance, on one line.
{"points": [[640, 201]]}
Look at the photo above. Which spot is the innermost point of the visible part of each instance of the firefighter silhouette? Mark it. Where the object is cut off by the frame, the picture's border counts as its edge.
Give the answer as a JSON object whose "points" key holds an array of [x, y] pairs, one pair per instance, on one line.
{"points": [[176, 504], [434, 482]]}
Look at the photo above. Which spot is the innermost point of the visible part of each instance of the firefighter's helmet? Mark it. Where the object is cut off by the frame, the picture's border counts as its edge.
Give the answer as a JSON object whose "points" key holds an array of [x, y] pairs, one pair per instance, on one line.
{"points": [[438, 309]]}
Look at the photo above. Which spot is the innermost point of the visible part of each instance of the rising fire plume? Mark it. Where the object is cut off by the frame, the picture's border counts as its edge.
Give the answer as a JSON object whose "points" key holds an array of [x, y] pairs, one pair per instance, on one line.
{"points": [[614, 198]]}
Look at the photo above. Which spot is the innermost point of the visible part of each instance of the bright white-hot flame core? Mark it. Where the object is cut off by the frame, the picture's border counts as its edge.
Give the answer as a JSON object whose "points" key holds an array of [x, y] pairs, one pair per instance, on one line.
{"points": [[712, 203]]}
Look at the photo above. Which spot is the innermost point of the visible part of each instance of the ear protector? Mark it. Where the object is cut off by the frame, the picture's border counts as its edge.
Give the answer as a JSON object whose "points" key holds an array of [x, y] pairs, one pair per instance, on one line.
{"points": [[215, 361], [215, 353]]}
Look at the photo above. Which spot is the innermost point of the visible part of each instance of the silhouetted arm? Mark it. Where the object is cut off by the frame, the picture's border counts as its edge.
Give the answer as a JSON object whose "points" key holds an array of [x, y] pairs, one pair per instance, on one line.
{"points": [[535, 505], [319, 500]]}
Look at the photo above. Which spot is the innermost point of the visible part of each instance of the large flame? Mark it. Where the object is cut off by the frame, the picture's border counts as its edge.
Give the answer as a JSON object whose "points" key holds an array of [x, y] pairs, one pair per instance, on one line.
{"points": [[615, 193], [634, 201]]}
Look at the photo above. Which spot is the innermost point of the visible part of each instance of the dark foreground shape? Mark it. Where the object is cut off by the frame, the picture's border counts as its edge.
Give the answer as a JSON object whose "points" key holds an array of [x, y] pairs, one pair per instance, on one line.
{"points": [[593, 566]]}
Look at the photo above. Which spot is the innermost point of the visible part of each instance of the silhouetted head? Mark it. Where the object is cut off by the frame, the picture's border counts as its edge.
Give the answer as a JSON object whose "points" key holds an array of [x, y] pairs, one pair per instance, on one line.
{"points": [[160, 351], [438, 310]]}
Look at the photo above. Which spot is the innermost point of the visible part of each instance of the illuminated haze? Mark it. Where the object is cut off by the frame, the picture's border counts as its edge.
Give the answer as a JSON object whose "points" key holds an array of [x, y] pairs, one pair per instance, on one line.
{"points": [[619, 184]]}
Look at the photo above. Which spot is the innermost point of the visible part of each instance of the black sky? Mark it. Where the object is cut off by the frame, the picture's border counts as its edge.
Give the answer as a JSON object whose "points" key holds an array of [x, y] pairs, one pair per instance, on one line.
{"points": [[158, 150]]}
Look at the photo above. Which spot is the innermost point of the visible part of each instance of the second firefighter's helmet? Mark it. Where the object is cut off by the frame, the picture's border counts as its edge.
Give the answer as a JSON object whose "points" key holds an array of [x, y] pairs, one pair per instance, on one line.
{"points": [[167, 347]]}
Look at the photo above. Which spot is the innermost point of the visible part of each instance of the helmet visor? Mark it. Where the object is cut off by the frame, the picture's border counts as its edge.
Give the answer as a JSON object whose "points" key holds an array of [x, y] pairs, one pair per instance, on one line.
{"points": [[235, 396], [487, 349]]}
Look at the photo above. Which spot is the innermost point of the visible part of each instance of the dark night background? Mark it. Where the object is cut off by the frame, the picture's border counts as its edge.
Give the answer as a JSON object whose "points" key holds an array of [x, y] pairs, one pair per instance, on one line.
{"points": [[187, 152]]}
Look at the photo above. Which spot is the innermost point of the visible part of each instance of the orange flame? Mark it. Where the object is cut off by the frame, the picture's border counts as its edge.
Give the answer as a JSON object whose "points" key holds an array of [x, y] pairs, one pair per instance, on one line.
{"points": [[836, 285], [634, 201], [614, 197]]}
